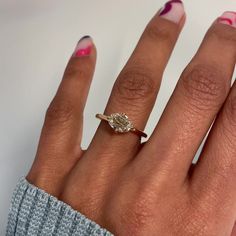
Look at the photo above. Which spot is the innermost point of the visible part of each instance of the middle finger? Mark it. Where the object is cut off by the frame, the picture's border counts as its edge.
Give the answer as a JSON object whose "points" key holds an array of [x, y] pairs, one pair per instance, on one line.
{"points": [[198, 97]]}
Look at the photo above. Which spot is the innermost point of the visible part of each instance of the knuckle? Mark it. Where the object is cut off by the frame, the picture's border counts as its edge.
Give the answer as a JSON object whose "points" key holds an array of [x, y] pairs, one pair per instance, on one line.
{"points": [[138, 214], [196, 223], [196, 217], [134, 84], [137, 211], [186, 218], [158, 32], [204, 86], [59, 112]]}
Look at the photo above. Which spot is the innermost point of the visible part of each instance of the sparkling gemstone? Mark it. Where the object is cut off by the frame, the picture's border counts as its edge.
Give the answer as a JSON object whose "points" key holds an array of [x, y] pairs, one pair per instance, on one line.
{"points": [[120, 122]]}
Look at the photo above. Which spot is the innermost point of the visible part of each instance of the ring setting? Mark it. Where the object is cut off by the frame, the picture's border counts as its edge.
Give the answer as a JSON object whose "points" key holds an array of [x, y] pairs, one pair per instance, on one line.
{"points": [[121, 123]]}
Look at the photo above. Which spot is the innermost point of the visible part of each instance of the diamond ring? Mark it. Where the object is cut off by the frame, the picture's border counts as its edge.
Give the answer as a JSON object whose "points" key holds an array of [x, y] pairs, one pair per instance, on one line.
{"points": [[120, 123]]}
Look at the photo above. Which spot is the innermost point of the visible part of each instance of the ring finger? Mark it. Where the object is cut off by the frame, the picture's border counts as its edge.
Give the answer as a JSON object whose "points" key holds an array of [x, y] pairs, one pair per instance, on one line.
{"points": [[136, 88]]}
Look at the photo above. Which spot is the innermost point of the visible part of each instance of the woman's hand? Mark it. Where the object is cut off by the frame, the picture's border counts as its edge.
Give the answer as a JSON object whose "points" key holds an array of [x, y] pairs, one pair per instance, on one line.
{"points": [[149, 189]]}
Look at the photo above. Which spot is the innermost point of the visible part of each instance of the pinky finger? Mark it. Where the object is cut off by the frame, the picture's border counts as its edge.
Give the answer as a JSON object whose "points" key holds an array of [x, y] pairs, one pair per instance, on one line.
{"points": [[59, 146]]}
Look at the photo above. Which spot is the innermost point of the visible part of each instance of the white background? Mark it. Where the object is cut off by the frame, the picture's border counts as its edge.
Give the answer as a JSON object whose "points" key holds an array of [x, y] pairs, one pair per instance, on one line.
{"points": [[36, 40]]}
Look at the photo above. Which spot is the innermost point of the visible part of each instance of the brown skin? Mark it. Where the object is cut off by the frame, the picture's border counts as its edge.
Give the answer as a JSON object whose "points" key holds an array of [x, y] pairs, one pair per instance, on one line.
{"points": [[149, 189]]}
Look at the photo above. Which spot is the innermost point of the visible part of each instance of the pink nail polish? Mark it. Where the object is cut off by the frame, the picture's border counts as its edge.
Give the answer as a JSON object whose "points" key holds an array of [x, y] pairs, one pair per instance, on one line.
{"points": [[84, 47], [173, 11], [228, 18]]}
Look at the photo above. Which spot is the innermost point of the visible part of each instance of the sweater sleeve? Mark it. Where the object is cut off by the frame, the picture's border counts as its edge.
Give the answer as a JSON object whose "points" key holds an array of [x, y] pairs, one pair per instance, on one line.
{"points": [[35, 212]]}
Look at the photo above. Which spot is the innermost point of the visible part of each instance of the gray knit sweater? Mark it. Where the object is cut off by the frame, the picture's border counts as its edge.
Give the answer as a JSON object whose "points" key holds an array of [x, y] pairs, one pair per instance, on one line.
{"points": [[35, 212]]}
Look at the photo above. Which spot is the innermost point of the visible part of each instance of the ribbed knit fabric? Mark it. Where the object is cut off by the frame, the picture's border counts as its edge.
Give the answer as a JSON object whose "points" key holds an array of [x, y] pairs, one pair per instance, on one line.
{"points": [[35, 212]]}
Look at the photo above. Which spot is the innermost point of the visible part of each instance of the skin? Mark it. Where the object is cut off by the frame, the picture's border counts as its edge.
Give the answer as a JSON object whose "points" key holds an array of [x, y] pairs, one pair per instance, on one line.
{"points": [[150, 188]]}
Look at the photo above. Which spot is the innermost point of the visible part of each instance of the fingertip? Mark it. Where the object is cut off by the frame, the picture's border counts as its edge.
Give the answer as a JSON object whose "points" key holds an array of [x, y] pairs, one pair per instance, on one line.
{"points": [[227, 18], [85, 47], [173, 11]]}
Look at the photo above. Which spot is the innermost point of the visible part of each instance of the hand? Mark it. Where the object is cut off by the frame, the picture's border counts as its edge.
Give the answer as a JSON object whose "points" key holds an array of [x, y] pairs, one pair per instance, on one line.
{"points": [[150, 188]]}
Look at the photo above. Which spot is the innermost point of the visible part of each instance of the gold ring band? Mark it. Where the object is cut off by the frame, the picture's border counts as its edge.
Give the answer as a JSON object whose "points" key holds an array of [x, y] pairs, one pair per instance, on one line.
{"points": [[120, 123]]}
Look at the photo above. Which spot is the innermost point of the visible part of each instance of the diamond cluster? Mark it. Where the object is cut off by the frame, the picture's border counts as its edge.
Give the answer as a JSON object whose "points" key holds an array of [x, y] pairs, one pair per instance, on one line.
{"points": [[120, 122]]}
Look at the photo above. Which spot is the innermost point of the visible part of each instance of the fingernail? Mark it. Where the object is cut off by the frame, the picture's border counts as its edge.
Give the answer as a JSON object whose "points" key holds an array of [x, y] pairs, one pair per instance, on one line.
{"points": [[173, 11], [83, 47], [228, 18]]}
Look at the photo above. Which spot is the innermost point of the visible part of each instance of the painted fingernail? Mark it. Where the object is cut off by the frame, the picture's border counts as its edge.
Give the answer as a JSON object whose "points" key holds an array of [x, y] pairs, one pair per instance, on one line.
{"points": [[228, 18], [83, 47], [173, 11]]}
